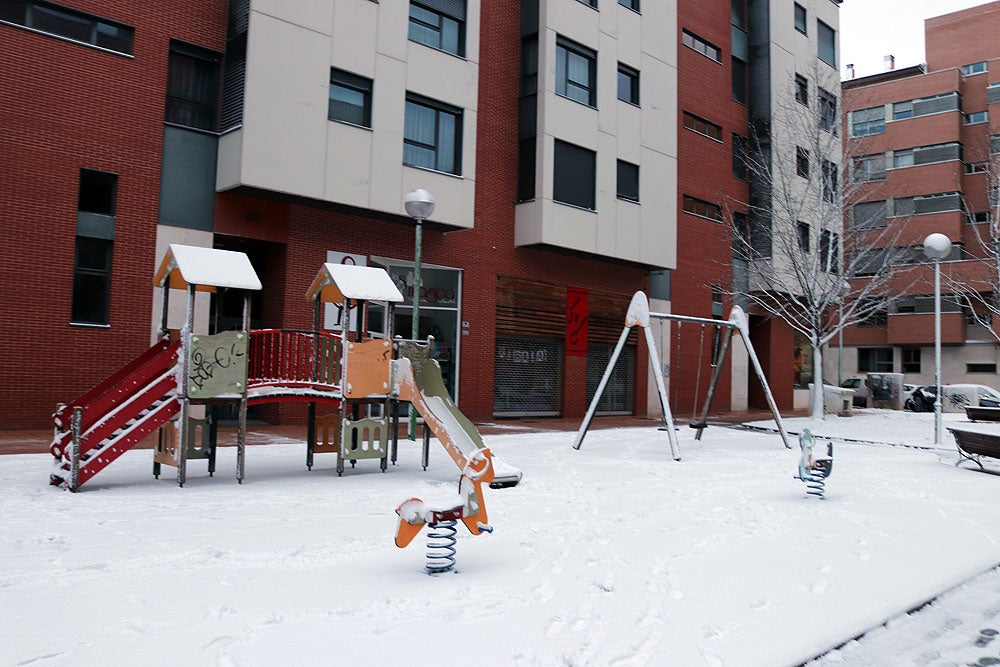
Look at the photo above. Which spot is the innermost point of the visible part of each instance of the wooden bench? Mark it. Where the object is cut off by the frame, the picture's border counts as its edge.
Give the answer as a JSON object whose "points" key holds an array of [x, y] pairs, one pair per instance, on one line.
{"points": [[973, 445], [980, 414]]}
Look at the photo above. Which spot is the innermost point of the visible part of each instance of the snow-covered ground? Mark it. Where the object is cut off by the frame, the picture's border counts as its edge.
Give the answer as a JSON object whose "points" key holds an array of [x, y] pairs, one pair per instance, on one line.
{"points": [[610, 555]]}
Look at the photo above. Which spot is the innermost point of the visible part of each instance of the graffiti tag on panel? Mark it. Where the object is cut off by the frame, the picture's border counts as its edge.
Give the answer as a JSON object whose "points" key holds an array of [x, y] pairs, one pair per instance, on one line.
{"points": [[217, 364]]}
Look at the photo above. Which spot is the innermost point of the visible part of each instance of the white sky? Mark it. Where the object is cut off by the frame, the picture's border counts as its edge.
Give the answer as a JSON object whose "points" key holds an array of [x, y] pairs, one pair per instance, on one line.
{"points": [[872, 29]]}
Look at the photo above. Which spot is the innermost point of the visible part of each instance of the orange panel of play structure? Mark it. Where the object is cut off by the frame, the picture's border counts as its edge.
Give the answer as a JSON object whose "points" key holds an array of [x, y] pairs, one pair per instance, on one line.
{"points": [[366, 370]]}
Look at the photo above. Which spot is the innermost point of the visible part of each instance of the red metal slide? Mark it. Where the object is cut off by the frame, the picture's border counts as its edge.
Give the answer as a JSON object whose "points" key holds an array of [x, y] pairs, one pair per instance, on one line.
{"points": [[117, 414]]}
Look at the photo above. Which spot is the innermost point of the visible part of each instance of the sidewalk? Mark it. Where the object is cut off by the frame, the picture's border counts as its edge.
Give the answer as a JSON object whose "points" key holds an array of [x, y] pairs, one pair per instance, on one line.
{"points": [[37, 441]]}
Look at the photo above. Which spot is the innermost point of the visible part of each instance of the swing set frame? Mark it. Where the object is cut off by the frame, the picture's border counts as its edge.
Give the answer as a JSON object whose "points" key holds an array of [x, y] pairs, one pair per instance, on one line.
{"points": [[639, 315]]}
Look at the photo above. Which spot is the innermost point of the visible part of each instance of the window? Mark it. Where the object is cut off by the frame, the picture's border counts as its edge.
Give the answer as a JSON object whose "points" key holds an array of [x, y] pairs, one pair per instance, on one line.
{"points": [[827, 38], [801, 162], [739, 81], [739, 157], [827, 111], [875, 360], [529, 65], [439, 24], [977, 167], [865, 122], [703, 209], [984, 319], [628, 84], [693, 41], [800, 18], [589, 3], [829, 252], [869, 168], [702, 126], [981, 216], [69, 24], [738, 13], [829, 181], [350, 98], [974, 68], [576, 72], [95, 231], [981, 368], [869, 215], [526, 169], [574, 174], [802, 228], [631, 4], [903, 158], [432, 135], [628, 181], [901, 110], [911, 359], [976, 117], [801, 89], [192, 86]]}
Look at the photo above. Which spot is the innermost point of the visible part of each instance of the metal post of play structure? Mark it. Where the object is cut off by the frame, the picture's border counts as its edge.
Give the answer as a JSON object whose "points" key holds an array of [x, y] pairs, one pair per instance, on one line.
{"points": [[727, 336], [241, 425], [184, 383], [76, 420], [311, 419]]}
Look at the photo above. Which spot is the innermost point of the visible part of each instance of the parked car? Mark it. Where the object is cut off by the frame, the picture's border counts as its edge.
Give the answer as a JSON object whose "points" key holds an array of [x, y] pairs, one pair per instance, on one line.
{"points": [[922, 399], [860, 387]]}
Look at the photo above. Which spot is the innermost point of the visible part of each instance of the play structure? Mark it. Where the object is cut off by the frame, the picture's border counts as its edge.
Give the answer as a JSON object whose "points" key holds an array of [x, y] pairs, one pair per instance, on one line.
{"points": [[173, 386], [639, 315], [469, 507], [814, 468]]}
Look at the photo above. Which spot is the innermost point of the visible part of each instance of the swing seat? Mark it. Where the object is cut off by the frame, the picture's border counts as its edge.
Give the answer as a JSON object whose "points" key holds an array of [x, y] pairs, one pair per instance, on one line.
{"points": [[698, 425]]}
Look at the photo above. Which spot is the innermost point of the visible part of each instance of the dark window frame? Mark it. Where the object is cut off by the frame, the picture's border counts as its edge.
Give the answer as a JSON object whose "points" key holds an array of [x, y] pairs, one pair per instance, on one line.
{"points": [[435, 147], [421, 28], [701, 45], [804, 232], [801, 162], [30, 15], [823, 31], [801, 19], [911, 364], [802, 90], [740, 146], [630, 4], [570, 174], [627, 181], [565, 48], [702, 208], [354, 83], [629, 77], [194, 79], [701, 126]]}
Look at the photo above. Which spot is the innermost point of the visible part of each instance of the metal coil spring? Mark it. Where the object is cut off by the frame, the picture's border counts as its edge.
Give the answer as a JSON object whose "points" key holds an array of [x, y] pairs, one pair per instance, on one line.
{"points": [[816, 484], [440, 547]]}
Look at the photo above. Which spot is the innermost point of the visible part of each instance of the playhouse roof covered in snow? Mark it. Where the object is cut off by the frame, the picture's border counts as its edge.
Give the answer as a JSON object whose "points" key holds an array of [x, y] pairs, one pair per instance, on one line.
{"points": [[205, 268], [336, 282]]}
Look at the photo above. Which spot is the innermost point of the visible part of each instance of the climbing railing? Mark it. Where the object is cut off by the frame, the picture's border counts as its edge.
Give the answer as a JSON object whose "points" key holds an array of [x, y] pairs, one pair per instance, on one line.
{"points": [[287, 357]]}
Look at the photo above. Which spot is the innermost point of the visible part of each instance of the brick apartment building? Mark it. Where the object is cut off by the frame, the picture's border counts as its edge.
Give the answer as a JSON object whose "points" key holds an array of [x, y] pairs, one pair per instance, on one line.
{"points": [[552, 134], [925, 137]]}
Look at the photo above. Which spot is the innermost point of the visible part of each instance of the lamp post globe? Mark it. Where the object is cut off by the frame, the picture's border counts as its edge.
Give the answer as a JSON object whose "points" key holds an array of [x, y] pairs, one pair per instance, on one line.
{"points": [[419, 204], [937, 246]]}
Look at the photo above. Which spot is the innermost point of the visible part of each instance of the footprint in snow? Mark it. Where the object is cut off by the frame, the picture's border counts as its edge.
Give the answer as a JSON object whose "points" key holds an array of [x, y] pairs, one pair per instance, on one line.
{"points": [[985, 637]]}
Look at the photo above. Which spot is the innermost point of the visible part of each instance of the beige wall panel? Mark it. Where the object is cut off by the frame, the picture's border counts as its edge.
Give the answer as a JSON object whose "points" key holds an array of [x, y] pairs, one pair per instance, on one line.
{"points": [[177, 306], [572, 19], [348, 164], [628, 233], [355, 26], [606, 237], [569, 121], [528, 222], [228, 168], [629, 35], [393, 26], [315, 16], [659, 209], [658, 95], [387, 120], [455, 81], [629, 130], [454, 195], [287, 92]]}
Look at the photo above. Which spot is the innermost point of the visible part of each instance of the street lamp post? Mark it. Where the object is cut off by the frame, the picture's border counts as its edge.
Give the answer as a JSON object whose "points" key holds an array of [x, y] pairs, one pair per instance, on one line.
{"points": [[419, 205], [937, 247]]}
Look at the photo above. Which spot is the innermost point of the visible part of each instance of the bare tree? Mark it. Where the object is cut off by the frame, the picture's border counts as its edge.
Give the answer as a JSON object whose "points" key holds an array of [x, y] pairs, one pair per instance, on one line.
{"points": [[797, 246], [977, 287]]}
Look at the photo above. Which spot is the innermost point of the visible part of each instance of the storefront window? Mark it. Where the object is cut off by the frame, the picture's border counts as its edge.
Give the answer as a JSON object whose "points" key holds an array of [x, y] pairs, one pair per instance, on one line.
{"points": [[803, 361]]}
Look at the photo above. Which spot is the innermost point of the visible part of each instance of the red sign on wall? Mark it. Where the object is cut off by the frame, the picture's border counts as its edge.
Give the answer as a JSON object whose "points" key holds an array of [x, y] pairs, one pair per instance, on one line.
{"points": [[576, 322]]}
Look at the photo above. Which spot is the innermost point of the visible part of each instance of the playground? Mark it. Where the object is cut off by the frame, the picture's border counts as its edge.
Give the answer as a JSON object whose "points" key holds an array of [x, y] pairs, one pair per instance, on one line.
{"points": [[614, 554]]}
